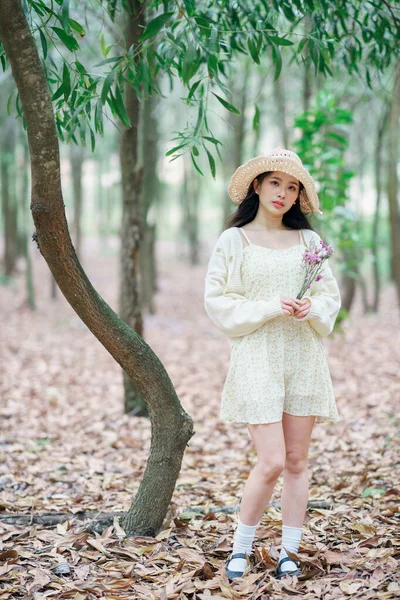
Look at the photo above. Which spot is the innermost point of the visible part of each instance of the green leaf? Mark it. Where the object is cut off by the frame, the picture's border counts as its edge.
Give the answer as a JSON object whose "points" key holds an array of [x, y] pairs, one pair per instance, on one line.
{"points": [[190, 6], [253, 51], [211, 139], [65, 15], [98, 117], [211, 162], [92, 139], [196, 165], [77, 27], [155, 25], [103, 45], [120, 108], [80, 68], [9, 105], [108, 60], [106, 86], [227, 105], [18, 105], [277, 58], [175, 149], [68, 40], [372, 492], [59, 92], [200, 118], [193, 89], [256, 119], [280, 41], [43, 41], [66, 82]]}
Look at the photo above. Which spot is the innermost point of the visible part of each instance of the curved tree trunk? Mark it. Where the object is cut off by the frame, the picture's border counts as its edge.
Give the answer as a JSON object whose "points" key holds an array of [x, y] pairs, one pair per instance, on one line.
{"points": [[171, 426]]}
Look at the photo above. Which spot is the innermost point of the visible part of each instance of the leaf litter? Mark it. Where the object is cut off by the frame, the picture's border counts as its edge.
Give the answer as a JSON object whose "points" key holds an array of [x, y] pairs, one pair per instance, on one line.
{"points": [[66, 447]]}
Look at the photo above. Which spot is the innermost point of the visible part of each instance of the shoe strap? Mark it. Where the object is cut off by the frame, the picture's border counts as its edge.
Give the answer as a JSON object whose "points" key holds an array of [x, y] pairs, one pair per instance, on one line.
{"points": [[286, 558], [238, 555]]}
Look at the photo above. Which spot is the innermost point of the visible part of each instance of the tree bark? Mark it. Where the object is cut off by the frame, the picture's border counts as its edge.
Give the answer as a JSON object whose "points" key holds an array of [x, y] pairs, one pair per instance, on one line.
{"points": [[30, 289], [375, 226], [130, 309], [76, 161], [393, 182], [238, 126], [151, 199], [190, 196], [171, 426], [8, 195], [280, 108]]}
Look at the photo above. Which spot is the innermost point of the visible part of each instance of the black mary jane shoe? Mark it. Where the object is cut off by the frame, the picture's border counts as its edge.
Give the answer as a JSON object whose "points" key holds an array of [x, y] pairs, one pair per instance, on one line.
{"points": [[232, 574], [279, 573]]}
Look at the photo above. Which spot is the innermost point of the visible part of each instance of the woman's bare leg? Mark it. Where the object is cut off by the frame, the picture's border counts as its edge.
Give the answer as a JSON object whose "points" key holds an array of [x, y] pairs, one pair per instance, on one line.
{"points": [[270, 446], [269, 442], [297, 434]]}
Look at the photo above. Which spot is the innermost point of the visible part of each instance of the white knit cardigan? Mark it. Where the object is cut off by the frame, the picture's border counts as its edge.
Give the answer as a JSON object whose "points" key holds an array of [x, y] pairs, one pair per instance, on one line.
{"points": [[229, 309]]}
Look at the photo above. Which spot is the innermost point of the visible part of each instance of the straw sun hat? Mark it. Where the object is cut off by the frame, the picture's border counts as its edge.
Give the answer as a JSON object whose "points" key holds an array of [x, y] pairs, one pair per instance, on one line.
{"points": [[277, 160]]}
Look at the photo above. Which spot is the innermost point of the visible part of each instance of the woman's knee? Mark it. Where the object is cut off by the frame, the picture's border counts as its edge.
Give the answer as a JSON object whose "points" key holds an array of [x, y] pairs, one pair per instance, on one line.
{"points": [[296, 462], [270, 469]]}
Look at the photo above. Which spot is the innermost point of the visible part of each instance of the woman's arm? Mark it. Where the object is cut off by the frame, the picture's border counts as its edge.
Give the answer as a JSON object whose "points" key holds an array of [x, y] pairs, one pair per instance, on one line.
{"points": [[233, 313]]}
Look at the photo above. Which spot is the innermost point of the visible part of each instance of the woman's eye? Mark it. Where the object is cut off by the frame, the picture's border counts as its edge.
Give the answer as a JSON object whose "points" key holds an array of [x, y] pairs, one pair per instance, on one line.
{"points": [[275, 182]]}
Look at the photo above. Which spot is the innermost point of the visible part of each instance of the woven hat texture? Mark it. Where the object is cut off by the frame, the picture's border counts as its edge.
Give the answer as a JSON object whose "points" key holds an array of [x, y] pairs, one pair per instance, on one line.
{"points": [[277, 160]]}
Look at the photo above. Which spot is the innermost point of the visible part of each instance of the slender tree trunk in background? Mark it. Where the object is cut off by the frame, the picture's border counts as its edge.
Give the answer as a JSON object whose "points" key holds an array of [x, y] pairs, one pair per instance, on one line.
{"points": [[151, 198], [375, 225], [27, 223], [260, 103], [393, 183], [280, 108], [238, 124], [191, 189], [307, 88], [8, 195], [76, 158], [132, 214], [100, 204], [171, 426], [53, 287]]}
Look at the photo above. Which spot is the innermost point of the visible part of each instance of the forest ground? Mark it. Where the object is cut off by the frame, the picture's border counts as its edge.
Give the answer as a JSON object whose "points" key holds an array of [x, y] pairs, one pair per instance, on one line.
{"points": [[66, 447]]}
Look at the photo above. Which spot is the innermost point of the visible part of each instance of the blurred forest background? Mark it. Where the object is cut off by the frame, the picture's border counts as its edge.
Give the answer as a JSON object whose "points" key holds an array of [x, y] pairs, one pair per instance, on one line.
{"points": [[155, 105]]}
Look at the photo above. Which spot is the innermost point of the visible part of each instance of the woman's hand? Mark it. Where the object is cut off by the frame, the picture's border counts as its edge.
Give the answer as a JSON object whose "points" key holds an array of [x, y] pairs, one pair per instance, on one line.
{"points": [[290, 306], [304, 309]]}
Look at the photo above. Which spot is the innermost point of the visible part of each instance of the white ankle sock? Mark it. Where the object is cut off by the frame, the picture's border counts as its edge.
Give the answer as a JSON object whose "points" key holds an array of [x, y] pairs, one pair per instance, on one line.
{"points": [[242, 542], [291, 537]]}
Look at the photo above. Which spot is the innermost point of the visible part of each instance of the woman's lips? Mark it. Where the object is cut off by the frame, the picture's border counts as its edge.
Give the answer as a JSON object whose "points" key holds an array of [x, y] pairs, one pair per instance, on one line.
{"points": [[278, 203]]}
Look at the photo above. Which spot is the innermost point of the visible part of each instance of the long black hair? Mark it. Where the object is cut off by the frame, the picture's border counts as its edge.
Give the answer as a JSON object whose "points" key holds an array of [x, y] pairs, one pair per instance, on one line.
{"points": [[294, 218]]}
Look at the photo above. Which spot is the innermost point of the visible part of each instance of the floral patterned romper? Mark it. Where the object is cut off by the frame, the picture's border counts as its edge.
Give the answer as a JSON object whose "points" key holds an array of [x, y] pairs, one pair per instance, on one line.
{"points": [[281, 366]]}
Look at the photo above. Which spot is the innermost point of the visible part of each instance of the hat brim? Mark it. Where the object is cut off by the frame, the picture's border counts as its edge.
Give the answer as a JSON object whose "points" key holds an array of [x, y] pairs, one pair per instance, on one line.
{"points": [[246, 173]]}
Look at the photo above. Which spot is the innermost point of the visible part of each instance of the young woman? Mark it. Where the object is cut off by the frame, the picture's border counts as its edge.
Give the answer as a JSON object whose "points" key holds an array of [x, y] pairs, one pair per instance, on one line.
{"points": [[278, 382]]}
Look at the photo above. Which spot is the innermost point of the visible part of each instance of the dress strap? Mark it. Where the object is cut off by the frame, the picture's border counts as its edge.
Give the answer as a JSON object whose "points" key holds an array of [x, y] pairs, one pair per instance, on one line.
{"points": [[245, 235], [302, 237]]}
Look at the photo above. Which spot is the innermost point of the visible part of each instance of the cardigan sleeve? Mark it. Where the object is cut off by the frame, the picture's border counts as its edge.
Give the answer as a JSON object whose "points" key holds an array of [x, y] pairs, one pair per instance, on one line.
{"points": [[325, 301], [233, 313]]}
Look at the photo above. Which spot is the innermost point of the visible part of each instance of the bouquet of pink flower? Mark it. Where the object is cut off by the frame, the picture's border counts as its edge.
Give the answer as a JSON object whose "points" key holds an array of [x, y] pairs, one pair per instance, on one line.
{"points": [[313, 259]]}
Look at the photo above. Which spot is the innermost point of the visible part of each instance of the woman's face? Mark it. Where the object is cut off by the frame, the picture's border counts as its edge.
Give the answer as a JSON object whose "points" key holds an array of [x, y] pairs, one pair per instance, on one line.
{"points": [[277, 192]]}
